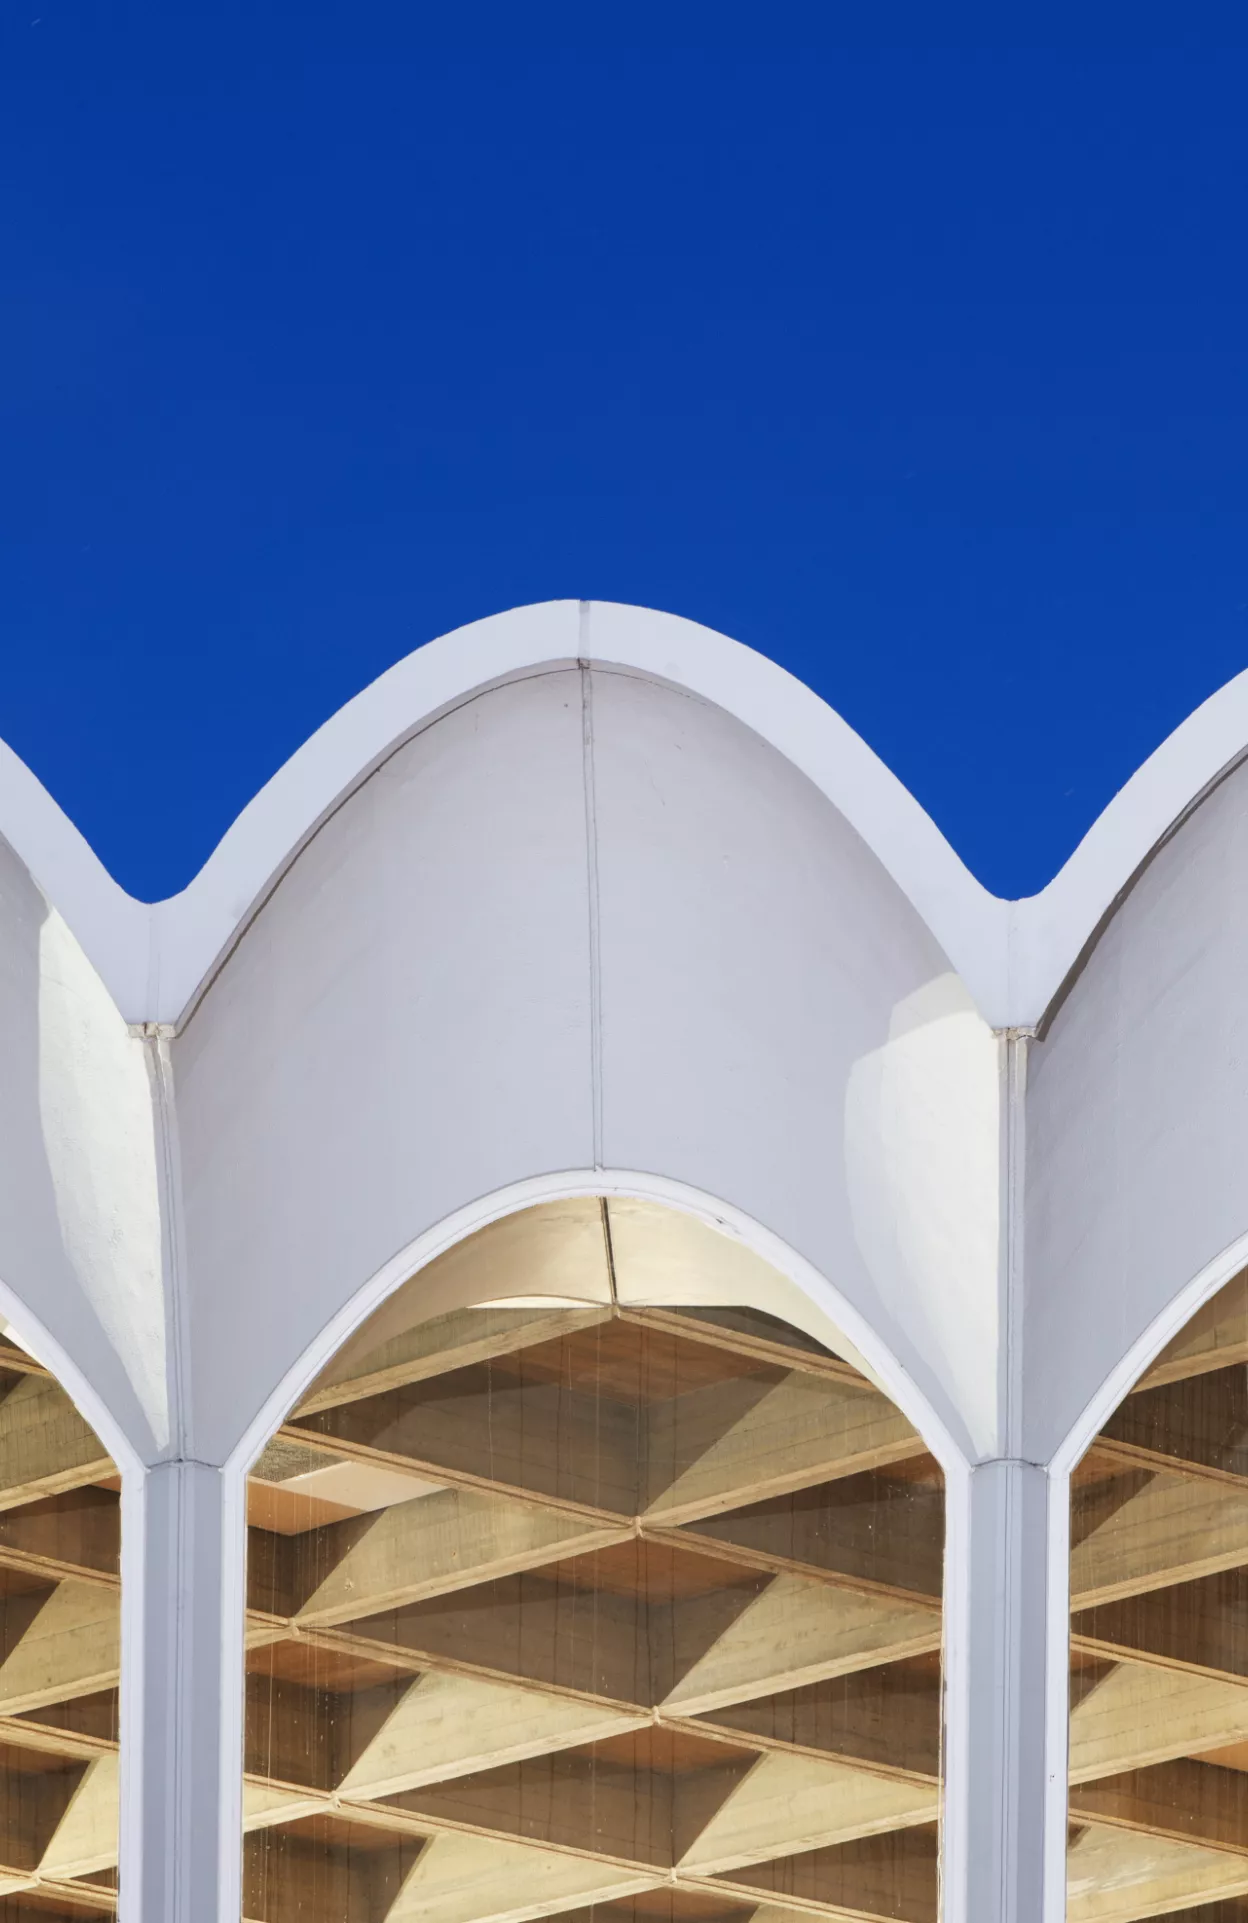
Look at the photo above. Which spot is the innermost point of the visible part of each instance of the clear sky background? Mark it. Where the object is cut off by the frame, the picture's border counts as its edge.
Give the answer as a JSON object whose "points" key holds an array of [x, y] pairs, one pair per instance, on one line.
{"points": [[922, 370]]}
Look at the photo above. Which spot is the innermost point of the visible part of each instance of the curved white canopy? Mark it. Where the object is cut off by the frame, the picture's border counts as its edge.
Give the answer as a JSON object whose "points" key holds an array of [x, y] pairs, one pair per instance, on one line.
{"points": [[1012, 956]]}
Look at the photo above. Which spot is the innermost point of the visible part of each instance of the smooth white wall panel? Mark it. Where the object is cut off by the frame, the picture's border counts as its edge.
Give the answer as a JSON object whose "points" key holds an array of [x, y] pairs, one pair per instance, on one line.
{"points": [[1137, 1116], [404, 1027], [80, 1240], [780, 1030]]}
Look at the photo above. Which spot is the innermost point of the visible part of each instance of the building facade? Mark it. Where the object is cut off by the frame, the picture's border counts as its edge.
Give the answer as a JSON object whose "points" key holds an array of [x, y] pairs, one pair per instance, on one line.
{"points": [[591, 1325]]}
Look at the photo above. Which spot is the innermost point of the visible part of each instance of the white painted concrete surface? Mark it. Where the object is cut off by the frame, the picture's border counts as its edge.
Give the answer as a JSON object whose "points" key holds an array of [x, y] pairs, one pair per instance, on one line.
{"points": [[588, 899]]}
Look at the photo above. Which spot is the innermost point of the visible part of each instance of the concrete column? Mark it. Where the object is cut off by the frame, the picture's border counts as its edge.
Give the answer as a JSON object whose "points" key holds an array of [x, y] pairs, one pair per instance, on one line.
{"points": [[1000, 1730], [180, 1829]]}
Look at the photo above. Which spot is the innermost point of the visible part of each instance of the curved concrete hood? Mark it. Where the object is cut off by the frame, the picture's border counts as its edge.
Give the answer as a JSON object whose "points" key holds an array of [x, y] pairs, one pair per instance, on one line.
{"points": [[1014, 957]]}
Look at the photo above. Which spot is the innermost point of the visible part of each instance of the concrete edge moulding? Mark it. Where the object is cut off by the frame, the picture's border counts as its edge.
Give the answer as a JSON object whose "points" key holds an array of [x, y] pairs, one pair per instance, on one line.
{"points": [[581, 920]]}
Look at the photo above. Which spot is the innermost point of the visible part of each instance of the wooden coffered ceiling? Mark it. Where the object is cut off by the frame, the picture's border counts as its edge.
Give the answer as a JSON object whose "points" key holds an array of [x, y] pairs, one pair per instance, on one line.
{"points": [[1159, 1642], [634, 1610], [658, 1636]]}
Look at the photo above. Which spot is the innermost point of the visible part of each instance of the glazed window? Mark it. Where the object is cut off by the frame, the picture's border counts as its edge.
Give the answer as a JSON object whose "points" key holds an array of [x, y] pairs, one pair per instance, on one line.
{"points": [[581, 1581], [60, 1577], [1159, 1642]]}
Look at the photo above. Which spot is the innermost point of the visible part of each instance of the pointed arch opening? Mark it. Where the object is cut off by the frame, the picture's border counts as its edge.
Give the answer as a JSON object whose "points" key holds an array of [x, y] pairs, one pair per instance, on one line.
{"points": [[582, 1580], [1158, 1762], [60, 1651]]}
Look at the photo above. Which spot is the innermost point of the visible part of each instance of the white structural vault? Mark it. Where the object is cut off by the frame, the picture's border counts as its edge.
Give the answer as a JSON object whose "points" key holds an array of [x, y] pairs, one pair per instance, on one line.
{"points": [[587, 900]]}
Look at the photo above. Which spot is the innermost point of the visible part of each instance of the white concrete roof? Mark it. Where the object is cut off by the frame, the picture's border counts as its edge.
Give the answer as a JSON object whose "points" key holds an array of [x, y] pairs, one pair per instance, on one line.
{"points": [[1013, 956], [667, 930]]}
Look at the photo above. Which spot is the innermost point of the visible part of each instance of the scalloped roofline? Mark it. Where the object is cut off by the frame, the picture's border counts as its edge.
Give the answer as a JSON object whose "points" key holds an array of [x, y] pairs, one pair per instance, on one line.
{"points": [[1014, 957]]}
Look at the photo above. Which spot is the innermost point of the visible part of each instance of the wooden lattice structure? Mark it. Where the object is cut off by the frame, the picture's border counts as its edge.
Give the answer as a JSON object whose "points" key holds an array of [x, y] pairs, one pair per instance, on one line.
{"points": [[1159, 1643], [559, 1606], [568, 1608], [60, 1653]]}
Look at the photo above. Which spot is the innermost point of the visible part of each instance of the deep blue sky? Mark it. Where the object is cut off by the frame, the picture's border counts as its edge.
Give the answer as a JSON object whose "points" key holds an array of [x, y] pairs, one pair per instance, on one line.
{"points": [[924, 371]]}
